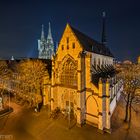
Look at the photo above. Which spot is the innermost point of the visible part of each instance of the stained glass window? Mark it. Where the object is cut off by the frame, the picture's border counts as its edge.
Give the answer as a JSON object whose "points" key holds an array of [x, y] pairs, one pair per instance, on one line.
{"points": [[69, 73]]}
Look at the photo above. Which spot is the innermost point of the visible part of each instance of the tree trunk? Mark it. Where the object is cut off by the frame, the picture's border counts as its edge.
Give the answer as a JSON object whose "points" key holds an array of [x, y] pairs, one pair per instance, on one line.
{"points": [[2, 91], [130, 106], [127, 107]]}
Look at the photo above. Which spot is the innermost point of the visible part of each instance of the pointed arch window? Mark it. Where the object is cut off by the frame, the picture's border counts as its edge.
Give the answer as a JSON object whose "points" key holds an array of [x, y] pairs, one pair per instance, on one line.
{"points": [[67, 40], [73, 45], [69, 74]]}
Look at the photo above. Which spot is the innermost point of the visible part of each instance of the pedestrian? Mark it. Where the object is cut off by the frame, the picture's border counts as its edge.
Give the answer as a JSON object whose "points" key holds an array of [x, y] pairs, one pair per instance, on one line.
{"points": [[35, 109]]}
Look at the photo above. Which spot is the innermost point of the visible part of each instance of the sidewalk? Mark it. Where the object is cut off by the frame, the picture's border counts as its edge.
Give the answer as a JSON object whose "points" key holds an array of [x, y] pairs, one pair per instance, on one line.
{"points": [[24, 123]]}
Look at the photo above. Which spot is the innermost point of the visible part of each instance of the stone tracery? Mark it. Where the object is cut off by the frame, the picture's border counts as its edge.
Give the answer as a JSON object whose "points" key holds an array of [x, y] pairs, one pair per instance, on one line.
{"points": [[69, 73]]}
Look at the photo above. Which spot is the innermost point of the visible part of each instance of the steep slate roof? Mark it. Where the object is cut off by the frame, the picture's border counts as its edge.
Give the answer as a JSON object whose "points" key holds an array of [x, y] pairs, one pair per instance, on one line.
{"points": [[104, 72], [91, 45]]}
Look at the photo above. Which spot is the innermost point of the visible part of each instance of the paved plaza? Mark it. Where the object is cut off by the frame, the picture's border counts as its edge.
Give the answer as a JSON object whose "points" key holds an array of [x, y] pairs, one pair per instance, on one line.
{"points": [[24, 124]]}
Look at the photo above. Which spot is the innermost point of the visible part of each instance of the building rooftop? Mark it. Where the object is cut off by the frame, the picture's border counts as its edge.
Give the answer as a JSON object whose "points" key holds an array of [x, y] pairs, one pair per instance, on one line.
{"points": [[90, 44]]}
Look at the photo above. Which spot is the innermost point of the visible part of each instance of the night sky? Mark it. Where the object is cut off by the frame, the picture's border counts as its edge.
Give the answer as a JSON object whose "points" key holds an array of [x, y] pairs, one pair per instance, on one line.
{"points": [[20, 24]]}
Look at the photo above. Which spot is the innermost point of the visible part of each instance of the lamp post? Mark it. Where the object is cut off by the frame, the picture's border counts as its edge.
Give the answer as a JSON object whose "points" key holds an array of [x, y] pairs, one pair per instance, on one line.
{"points": [[69, 110]]}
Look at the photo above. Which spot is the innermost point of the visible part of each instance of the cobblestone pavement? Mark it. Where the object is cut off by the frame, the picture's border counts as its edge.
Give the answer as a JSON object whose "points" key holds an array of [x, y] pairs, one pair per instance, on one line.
{"points": [[25, 124]]}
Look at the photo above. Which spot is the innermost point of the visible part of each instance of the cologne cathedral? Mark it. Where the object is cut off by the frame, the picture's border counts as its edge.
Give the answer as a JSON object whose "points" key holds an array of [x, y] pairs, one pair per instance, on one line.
{"points": [[46, 45]]}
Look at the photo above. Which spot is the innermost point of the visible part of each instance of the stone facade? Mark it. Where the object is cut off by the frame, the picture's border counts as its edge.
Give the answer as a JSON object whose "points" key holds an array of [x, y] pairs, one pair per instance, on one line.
{"points": [[73, 85], [139, 60]]}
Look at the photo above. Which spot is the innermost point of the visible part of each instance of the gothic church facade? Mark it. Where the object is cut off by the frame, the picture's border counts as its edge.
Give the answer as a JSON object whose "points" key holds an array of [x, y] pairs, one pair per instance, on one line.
{"points": [[83, 79], [46, 46]]}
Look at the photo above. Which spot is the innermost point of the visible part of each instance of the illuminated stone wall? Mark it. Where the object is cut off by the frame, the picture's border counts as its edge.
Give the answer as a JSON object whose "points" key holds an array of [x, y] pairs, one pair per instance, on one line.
{"points": [[72, 86], [139, 60]]}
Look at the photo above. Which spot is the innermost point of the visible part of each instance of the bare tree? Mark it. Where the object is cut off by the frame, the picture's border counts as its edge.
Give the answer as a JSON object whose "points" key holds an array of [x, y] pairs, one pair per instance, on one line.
{"points": [[31, 74], [130, 74], [5, 74], [4, 70]]}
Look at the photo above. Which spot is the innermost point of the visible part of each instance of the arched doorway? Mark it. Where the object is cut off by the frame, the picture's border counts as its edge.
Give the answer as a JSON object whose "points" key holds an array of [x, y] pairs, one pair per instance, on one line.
{"points": [[92, 110]]}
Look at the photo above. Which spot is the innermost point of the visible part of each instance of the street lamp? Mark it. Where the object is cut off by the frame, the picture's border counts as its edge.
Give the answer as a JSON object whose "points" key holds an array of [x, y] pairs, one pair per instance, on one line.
{"points": [[69, 110]]}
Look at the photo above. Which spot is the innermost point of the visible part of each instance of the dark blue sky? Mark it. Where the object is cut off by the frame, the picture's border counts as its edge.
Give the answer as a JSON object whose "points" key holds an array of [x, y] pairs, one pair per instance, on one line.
{"points": [[20, 24]]}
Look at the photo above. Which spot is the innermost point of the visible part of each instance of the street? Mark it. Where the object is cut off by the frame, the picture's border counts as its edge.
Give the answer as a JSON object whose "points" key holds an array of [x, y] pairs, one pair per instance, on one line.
{"points": [[23, 123]]}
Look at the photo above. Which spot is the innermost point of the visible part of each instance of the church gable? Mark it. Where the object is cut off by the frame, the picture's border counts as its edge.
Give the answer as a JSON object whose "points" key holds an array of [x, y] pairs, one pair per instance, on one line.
{"points": [[90, 44], [74, 41], [69, 44]]}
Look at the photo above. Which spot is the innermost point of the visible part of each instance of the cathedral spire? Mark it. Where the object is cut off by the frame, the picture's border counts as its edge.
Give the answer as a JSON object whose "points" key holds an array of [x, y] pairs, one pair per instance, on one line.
{"points": [[49, 37], [49, 32], [46, 46], [42, 33], [103, 28]]}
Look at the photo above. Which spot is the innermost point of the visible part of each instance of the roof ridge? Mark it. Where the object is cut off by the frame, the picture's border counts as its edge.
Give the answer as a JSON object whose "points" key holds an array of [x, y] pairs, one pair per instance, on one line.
{"points": [[73, 28]]}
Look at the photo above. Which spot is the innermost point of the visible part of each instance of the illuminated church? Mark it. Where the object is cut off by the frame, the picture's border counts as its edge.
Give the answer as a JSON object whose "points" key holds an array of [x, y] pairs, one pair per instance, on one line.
{"points": [[83, 79], [46, 46]]}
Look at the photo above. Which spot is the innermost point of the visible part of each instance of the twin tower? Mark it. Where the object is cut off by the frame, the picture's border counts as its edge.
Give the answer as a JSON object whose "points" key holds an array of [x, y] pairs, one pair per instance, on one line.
{"points": [[46, 45]]}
